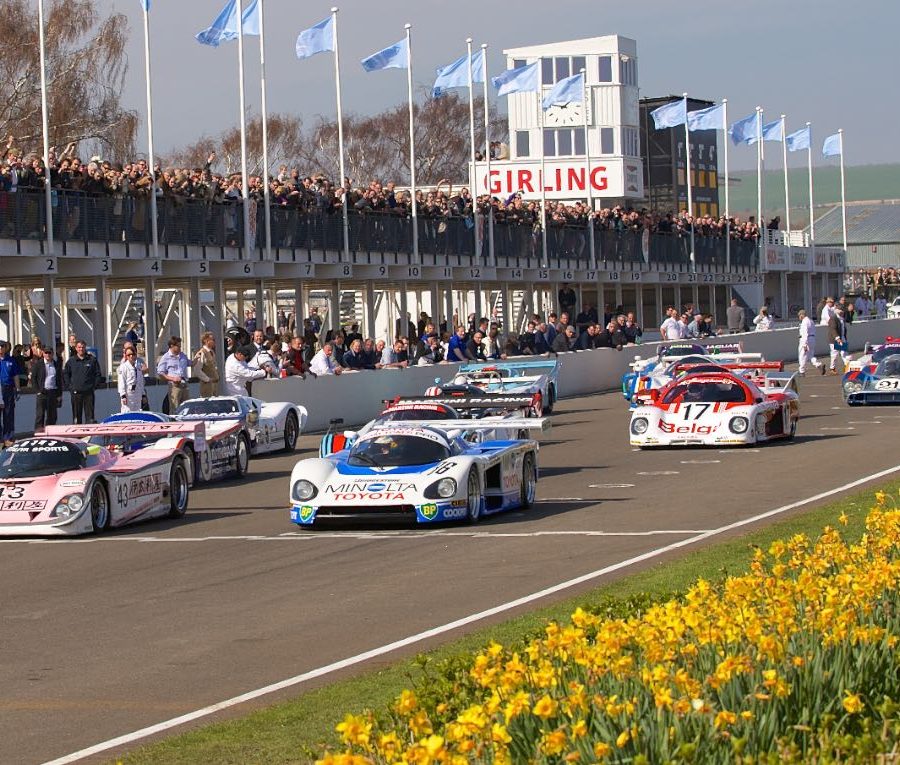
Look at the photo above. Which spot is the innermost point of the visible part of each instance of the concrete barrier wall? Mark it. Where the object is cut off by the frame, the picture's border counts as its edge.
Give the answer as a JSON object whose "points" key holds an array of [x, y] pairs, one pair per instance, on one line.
{"points": [[357, 397]]}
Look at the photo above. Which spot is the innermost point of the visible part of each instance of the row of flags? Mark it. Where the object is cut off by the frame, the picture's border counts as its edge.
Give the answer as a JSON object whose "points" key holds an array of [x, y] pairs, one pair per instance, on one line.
{"points": [[745, 131], [750, 130], [471, 68]]}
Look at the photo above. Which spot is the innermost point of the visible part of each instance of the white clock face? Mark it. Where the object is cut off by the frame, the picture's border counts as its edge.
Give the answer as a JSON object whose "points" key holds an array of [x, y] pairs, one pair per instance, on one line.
{"points": [[566, 115]]}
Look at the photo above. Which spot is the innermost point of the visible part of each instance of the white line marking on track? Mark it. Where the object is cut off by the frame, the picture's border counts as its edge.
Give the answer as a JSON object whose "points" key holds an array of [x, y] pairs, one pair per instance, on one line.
{"points": [[837, 428], [610, 485], [561, 499], [739, 451], [700, 462], [658, 472], [864, 422], [351, 661], [838, 408], [304, 536]]}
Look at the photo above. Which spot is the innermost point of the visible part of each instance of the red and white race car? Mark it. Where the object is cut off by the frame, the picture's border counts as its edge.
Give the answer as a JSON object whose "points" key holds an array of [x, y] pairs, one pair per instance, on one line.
{"points": [[51, 485], [716, 408]]}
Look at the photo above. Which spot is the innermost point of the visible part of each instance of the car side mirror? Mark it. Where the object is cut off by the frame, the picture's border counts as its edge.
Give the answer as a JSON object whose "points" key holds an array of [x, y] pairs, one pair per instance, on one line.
{"points": [[350, 435]]}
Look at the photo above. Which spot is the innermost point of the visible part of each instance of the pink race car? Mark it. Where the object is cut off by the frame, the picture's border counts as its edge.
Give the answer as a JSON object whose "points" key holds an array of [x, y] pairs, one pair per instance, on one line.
{"points": [[54, 485]]}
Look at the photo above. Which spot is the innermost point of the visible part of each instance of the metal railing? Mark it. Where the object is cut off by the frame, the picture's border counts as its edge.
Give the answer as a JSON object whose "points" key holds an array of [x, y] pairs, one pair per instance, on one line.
{"points": [[80, 219]]}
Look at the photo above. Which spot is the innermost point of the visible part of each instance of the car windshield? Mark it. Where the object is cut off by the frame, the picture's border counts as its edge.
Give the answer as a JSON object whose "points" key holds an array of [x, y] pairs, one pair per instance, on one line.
{"points": [[882, 353], [705, 391], [210, 407], [36, 457], [393, 450], [889, 367]]}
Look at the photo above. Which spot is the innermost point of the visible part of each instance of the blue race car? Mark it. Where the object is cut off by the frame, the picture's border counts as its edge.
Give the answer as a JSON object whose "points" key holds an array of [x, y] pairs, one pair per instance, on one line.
{"points": [[538, 378], [418, 470]]}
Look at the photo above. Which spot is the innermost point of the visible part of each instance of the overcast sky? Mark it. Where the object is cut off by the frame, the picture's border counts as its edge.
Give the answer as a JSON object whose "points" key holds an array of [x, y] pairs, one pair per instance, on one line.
{"points": [[827, 61]]}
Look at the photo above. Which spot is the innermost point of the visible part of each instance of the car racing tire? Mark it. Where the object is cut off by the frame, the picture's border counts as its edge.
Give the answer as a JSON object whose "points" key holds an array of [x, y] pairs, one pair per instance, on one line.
{"points": [[179, 489], [242, 455], [473, 497], [529, 481], [98, 501], [793, 431], [291, 432], [551, 400]]}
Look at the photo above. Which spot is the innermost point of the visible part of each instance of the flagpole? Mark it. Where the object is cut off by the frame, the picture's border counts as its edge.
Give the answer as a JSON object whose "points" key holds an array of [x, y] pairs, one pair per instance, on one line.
{"points": [[787, 193], [151, 159], [340, 129], [545, 260], [727, 206], [487, 158], [690, 194], [587, 170], [412, 145], [265, 128], [812, 218], [248, 250], [473, 174], [843, 189], [45, 127], [759, 180]]}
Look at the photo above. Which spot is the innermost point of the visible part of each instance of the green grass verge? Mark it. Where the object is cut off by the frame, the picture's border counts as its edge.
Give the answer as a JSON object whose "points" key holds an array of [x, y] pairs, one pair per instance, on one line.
{"points": [[297, 731]]}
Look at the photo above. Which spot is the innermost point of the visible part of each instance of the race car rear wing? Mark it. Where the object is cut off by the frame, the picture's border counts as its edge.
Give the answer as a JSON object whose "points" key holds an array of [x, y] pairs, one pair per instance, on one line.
{"points": [[499, 401], [514, 423], [777, 366], [197, 430], [541, 366]]}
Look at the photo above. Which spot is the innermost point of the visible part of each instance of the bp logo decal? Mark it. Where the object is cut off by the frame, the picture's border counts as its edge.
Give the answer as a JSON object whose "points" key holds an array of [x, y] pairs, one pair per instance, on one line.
{"points": [[306, 513], [429, 511]]}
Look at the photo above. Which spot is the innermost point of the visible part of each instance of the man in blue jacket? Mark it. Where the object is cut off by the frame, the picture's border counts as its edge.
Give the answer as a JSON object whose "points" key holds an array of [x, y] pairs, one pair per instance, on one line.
{"points": [[9, 387]]}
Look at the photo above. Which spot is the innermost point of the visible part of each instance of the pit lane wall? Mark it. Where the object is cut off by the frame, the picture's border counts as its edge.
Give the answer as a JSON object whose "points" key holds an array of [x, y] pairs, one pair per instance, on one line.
{"points": [[357, 397]]}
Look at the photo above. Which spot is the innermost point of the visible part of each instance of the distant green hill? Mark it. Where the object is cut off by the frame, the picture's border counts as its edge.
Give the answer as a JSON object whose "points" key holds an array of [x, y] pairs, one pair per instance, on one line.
{"points": [[864, 183]]}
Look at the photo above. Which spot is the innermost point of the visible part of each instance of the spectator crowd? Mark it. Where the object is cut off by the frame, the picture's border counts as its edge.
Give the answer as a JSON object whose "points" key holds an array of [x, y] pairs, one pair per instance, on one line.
{"points": [[119, 196]]}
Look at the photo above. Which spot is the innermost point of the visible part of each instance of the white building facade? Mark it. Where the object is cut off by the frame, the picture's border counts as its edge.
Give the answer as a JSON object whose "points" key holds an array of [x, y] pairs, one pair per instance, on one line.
{"points": [[612, 163]]}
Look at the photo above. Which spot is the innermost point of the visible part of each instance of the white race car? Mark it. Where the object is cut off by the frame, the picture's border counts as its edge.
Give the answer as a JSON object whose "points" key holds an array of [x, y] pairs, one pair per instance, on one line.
{"points": [[716, 408], [418, 470], [268, 427]]}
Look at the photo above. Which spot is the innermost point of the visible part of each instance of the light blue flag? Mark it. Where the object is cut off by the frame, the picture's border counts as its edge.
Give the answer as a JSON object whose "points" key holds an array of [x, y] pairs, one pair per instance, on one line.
{"points": [[771, 131], [395, 56], [799, 139], [745, 130], [711, 118], [569, 90], [456, 75], [671, 114], [521, 80], [317, 39], [225, 27], [832, 146]]}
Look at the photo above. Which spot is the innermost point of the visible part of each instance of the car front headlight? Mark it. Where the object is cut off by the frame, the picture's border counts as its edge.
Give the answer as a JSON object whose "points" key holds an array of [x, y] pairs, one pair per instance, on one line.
{"points": [[639, 425], [69, 506], [442, 489], [739, 424], [852, 386], [446, 487], [304, 490]]}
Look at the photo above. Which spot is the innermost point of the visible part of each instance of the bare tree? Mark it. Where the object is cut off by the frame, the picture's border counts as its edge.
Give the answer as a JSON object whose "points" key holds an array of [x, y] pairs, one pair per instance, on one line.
{"points": [[375, 147], [86, 66]]}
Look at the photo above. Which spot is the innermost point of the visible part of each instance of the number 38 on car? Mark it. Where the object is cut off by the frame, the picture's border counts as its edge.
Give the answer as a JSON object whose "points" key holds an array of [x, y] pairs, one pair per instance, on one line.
{"points": [[716, 408]]}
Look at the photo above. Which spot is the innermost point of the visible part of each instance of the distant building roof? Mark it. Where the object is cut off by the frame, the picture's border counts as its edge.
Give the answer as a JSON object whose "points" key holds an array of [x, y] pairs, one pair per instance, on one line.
{"points": [[866, 224]]}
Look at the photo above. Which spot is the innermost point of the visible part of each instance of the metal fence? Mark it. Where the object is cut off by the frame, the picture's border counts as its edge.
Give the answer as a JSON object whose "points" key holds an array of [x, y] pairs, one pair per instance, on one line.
{"points": [[81, 219]]}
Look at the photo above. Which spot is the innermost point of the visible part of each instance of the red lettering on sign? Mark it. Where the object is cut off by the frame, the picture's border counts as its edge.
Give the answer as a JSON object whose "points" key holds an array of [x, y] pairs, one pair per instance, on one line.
{"points": [[598, 180], [575, 179], [524, 181]]}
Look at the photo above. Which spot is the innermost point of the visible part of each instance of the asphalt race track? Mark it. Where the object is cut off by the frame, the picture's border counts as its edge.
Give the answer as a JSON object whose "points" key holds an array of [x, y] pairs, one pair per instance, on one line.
{"points": [[104, 636]]}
